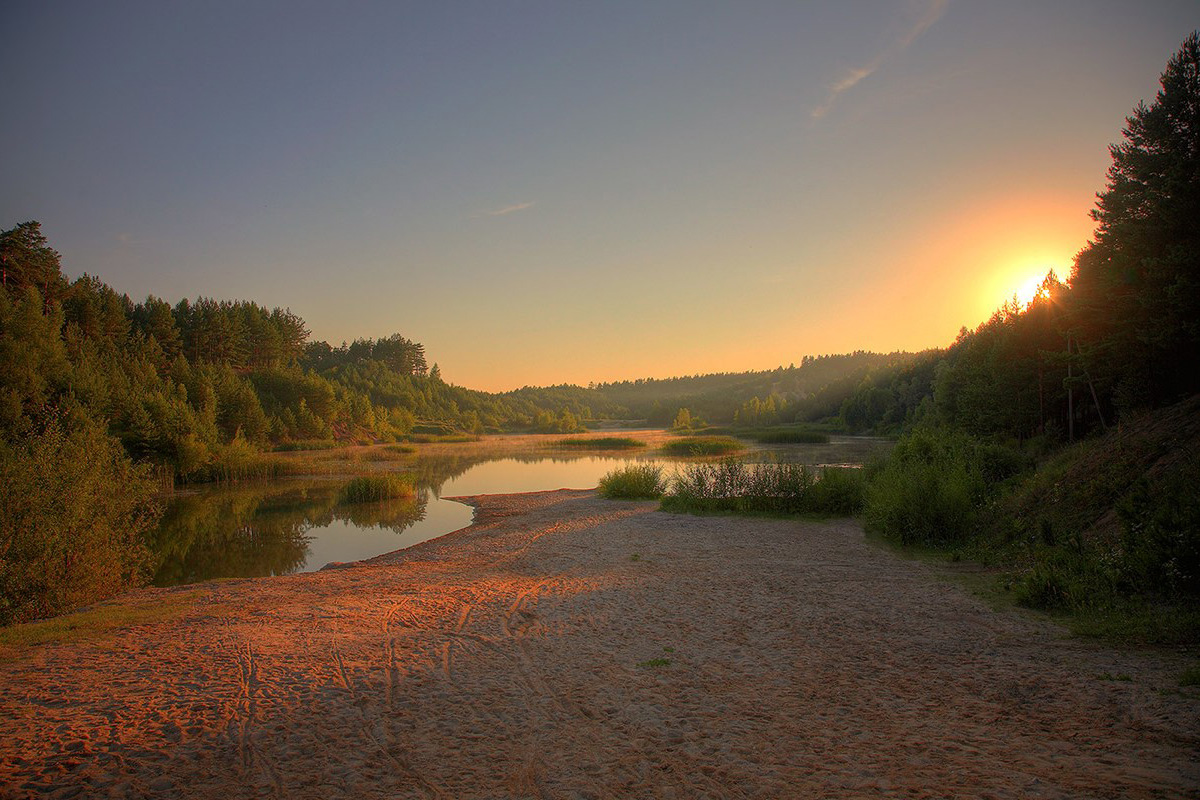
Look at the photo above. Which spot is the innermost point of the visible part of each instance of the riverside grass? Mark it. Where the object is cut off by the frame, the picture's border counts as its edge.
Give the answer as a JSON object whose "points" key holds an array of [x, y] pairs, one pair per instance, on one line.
{"points": [[634, 482], [733, 487], [372, 488], [601, 443], [703, 446]]}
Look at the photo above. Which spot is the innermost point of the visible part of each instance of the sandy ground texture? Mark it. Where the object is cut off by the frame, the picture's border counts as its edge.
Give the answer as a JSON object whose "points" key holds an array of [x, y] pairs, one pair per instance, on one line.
{"points": [[570, 646]]}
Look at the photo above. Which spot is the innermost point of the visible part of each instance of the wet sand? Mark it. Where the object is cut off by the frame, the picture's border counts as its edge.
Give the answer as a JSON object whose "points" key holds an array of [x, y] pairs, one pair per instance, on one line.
{"points": [[570, 646]]}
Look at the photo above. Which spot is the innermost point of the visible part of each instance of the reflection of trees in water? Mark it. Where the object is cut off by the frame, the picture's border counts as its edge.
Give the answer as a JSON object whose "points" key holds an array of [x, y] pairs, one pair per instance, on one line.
{"points": [[251, 531], [433, 472], [262, 529]]}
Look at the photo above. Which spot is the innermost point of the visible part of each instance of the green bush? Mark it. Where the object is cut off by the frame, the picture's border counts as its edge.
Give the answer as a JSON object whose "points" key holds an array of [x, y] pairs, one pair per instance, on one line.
{"points": [[1066, 579], [73, 510], [839, 490], [932, 487], [634, 482], [1160, 542], [372, 488], [702, 446]]}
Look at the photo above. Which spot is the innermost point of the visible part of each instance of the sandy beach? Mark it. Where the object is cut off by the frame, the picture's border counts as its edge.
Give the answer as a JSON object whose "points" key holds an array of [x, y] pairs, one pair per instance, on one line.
{"points": [[568, 646]]}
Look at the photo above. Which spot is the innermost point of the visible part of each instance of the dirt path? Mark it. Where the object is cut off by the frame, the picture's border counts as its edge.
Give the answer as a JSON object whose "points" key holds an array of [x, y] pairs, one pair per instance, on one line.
{"points": [[568, 646]]}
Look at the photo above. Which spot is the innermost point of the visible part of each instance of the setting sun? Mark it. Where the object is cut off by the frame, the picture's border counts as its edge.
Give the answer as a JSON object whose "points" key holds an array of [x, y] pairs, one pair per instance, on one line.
{"points": [[1030, 288]]}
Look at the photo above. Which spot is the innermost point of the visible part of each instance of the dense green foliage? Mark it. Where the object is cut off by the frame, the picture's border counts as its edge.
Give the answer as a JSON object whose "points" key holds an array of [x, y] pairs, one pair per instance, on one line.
{"points": [[934, 485], [73, 512], [732, 486], [634, 482]]}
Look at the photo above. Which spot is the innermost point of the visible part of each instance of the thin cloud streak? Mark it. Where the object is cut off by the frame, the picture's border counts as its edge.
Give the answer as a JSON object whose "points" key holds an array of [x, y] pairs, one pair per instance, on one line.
{"points": [[500, 212], [932, 13]]}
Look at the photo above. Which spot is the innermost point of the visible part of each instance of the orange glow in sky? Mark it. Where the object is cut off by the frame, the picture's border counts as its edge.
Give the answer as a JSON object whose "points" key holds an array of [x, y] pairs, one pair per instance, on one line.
{"points": [[564, 193]]}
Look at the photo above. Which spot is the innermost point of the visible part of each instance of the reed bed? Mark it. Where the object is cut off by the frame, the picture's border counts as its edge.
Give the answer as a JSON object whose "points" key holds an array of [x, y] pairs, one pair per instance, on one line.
{"points": [[702, 446], [372, 488], [601, 443], [634, 482], [731, 486]]}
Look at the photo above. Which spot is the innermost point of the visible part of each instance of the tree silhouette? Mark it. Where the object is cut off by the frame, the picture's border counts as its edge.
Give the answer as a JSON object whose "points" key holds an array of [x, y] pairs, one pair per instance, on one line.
{"points": [[1136, 287]]}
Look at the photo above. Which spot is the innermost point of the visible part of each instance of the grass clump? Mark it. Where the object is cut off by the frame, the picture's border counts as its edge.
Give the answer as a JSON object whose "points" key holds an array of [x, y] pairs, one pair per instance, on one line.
{"points": [[634, 482], [702, 446], [602, 443], [783, 435], [372, 488], [731, 486]]}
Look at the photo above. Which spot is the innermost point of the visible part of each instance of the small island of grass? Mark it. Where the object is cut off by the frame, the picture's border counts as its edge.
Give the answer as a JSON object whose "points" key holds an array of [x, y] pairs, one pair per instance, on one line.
{"points": [[601, 443], [702, 446], [372, 488]]}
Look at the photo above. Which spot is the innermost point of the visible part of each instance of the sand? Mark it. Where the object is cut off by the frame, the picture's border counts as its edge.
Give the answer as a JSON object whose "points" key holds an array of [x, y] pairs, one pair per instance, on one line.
{"points": [[570, 646]]}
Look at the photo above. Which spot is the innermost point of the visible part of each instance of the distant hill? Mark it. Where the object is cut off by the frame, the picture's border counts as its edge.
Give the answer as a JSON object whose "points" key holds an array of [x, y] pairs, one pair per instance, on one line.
{"points": [[784, 394]]}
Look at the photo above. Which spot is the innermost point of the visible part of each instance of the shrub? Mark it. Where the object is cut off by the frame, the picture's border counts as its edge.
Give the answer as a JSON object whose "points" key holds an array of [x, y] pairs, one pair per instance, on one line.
{"points": [[372, 488], [1160, 542], [931, 488], [839, 490], [633, 482], [72, 513], [702, 446]]}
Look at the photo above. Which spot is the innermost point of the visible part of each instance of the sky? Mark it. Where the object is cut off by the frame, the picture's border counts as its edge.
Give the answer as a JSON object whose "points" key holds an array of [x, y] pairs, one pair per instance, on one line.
{"points": [[559, 192]]}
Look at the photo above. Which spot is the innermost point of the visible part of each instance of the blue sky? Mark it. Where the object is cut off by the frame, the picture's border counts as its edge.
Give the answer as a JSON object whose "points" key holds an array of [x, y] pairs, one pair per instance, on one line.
{"points": [[567, 192]]}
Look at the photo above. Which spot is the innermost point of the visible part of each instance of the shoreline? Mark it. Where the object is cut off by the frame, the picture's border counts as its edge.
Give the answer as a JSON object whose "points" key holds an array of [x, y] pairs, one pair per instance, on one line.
{"points": [[566, 645]]}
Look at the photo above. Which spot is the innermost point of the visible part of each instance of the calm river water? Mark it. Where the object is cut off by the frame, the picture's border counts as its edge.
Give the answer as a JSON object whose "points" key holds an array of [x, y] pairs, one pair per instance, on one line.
{"points": [[298, 525]]}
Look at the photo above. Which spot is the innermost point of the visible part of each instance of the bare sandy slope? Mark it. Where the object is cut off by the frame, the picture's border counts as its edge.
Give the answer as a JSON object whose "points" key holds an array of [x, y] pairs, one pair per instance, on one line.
{"points": [[526, 657]]}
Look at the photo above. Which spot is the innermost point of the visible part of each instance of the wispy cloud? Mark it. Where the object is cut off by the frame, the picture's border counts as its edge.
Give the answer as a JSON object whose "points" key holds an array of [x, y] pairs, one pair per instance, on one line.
{"points": [[930, 13], [500, 212]]}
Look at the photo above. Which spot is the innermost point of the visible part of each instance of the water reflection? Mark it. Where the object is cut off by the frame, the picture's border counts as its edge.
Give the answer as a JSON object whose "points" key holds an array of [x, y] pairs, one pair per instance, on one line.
{"points": [[254, 530]]}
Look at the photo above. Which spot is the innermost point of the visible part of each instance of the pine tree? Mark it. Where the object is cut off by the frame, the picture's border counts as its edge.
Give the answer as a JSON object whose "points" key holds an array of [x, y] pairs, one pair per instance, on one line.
{"points": [[1136, 287]]}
